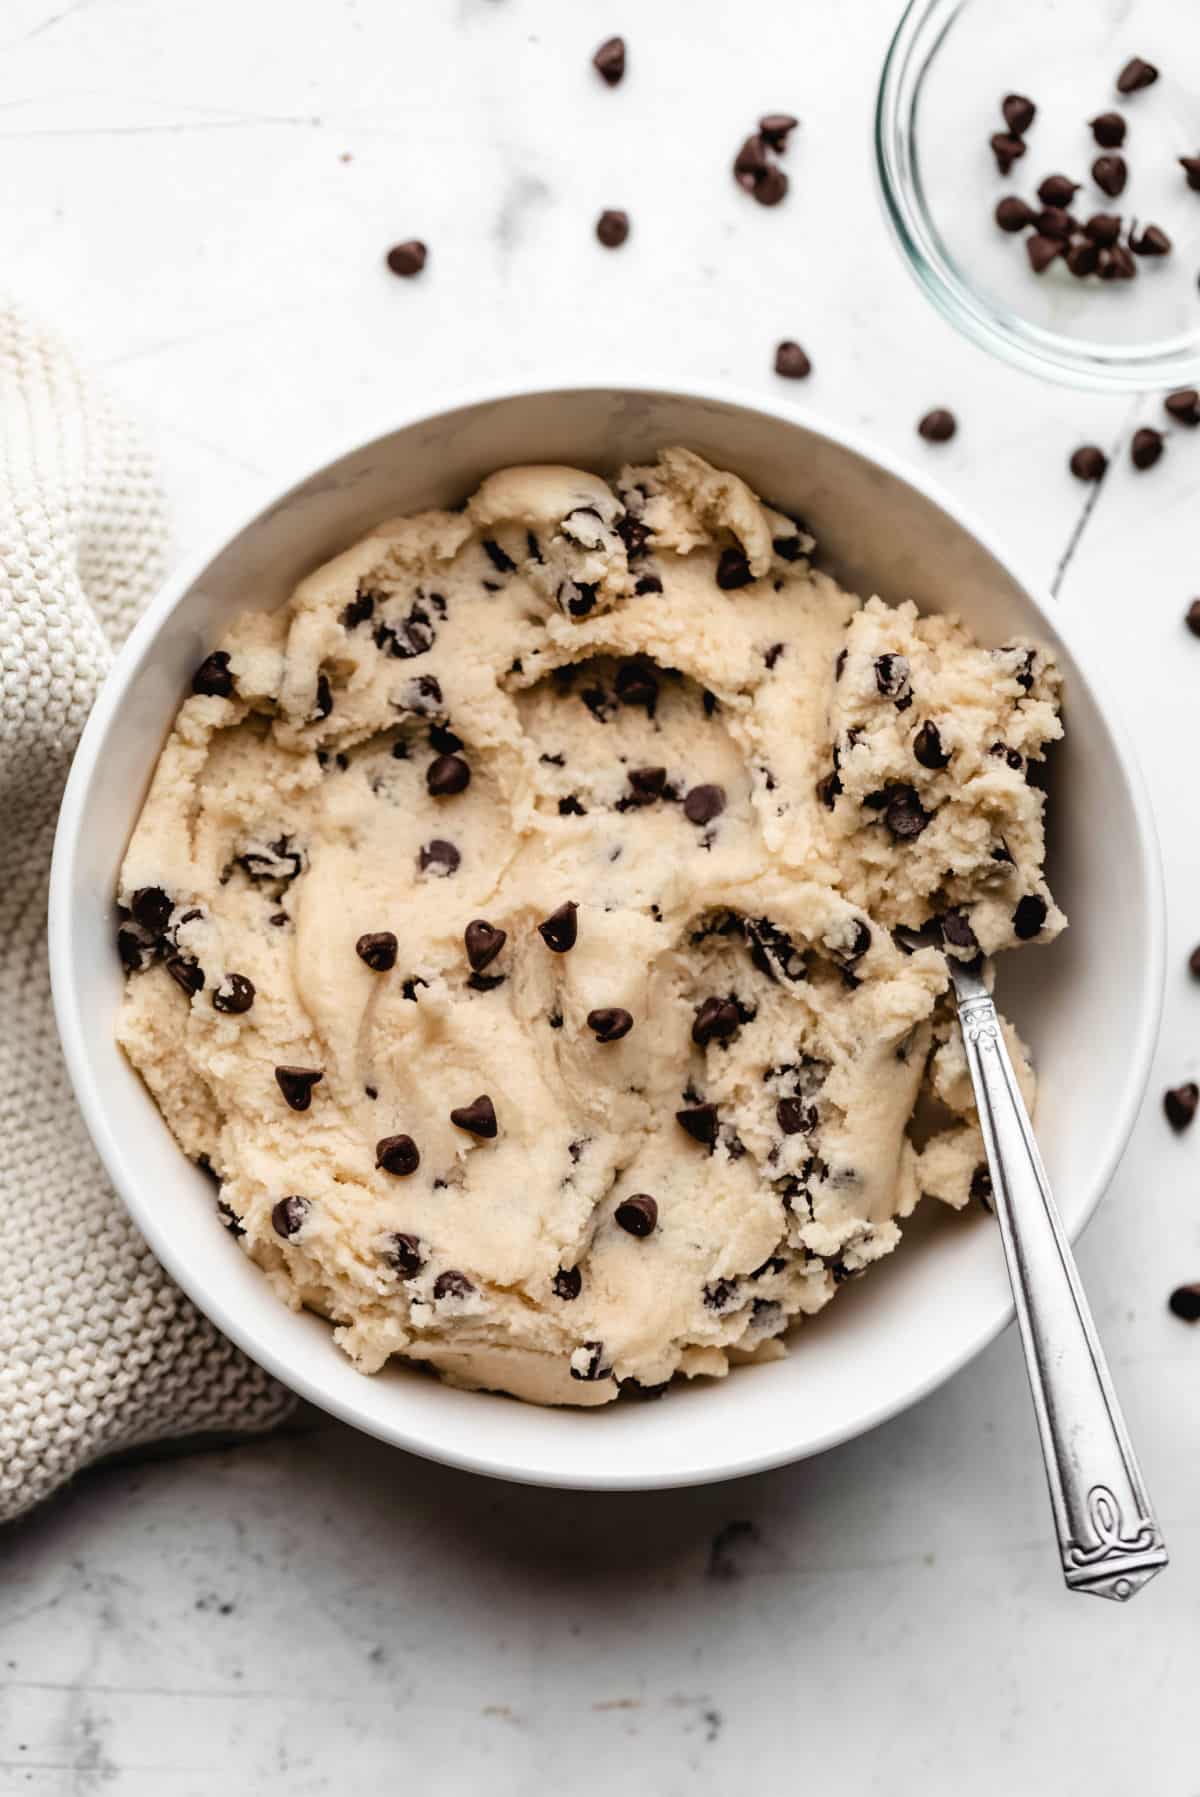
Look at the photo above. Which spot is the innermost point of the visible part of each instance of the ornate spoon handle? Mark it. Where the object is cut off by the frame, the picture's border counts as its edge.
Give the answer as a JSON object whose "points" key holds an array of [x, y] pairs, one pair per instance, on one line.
{"points": [[1108, 1538]]}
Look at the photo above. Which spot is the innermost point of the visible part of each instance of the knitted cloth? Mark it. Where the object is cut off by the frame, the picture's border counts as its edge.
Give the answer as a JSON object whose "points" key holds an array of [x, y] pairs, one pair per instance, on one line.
{"points": [[99, 1351]]}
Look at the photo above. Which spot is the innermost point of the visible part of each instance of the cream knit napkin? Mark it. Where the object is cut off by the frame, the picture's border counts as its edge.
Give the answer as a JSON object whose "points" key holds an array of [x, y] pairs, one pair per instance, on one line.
{"points": [[98, 1350]]}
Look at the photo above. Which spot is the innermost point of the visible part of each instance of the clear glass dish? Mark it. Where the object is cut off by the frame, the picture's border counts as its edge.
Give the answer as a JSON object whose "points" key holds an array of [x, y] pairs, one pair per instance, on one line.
{"points": [[948, 67]]}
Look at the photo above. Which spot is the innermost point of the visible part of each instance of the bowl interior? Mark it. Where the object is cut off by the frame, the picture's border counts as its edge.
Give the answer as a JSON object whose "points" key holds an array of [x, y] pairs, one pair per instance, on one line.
{"points": [[890, 1337]]}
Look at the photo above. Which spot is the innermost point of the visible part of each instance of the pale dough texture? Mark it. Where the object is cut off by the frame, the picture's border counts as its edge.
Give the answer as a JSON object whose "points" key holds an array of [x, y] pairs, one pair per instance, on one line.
{"points": [[742, 778]]}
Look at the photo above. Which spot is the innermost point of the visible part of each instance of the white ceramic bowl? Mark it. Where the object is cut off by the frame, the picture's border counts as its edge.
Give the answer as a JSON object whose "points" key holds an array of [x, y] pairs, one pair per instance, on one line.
{"points": [[916, 1319]]}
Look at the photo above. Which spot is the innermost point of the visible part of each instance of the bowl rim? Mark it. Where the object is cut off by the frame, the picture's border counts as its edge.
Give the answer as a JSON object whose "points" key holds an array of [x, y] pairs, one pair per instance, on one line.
{"points": [[121, 1166]]}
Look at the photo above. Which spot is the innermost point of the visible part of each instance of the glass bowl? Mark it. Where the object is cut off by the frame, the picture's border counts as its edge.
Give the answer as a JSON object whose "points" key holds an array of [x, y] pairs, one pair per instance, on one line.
{"points": [[949, 66]]}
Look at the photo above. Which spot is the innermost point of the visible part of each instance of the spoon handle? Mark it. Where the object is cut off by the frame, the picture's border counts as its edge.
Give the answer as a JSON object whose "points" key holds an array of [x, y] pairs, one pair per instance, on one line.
{"points": [[1108, 1539]]}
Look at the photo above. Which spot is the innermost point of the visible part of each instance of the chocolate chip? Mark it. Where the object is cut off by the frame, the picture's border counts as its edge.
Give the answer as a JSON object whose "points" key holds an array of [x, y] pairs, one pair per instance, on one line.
{"points": [[1151, 241], [1184, 406], [751, 163], [1184, 1303], [187, 975], [560, 929], [444, 740], [1007, 149], [407, 258], [567, 1284], [703, 803], [1103, 228], [1013, 757], [791, 361], [636, 684], [212, 678], [646, 584], [956, 928], [1191, 168], [637, 1215], [710, 703], [452, 1284], [1110, 175], [904, 813], [794, 1117], [609, 1024], [937, 426], [981, 1185], [776, 127], [296, 1084], [229, 1217], [927, 747], [1136, 74], [133, 950], [1146, 447], [485, 982], [1108, 129], [1117, 264], [288, 1216], [771, 187], [359, 610], [1194, 963], [733, 570], [1089, 463], [1012, 214], [1179, 1104], [398, 1155], [151, 907], [404, 1252], [409, 988], [483, 943], [446, 776], [892, 677], [324, 699], [1057, 191], [1042, 251], [829, 789], [439, 858], [721, 1294], [378, 950], [1019, 113], [700, 1122], [612, 228], [609, 60], [1029, 917], [648, 784], [234, 995], [1192, 617], [478, 1118], [716, 1020], [1054, 222], [595, 1368]]}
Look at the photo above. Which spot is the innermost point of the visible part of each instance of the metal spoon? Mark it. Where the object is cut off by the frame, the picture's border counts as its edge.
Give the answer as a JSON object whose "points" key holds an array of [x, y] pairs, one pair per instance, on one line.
{"points": [[1108, 1539]]}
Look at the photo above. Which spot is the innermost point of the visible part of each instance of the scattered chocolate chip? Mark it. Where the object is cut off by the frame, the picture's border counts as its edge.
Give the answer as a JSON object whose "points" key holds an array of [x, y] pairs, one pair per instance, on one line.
{"points": [[937, 426], [829, 789], [609, 60], [234, 995], [794, 1117], [648, 783], [502, 562], [296, 1084], [703, 803], [443, 739], [1089, 463], [483, 943], [567, 1284], [409, 988], [1012, 214], [1192, 617], [637, 1215], [1110, 175], [1057, 191], [1136, 74], [1146, 447], [404, 1252], [151, 907], [212, 678], [892, 677], [446, 776], [1103, 228], [1054, 222], [981, 1185], [771, 186], [700, 1122], [1029, 917], [555, 1019], [927, 747], [1019, 113], [1191, 168], [1013, 757], [791, 361], [1184, 1303], [560, 930], [1108, 129], [609, 1024], [1194, 963], [1083, 259], [439, 858], [1179, 1103], [904, 813], [407, 258], [956, 928], [288, 1216], [187, 975], [716, 1020], [229, 1217], [478, 1118], [452, 1284], [398, 1155], [710, 702], [133, 949], [378, 950], [775, 128], [1151, 241], [636, 684], [359, 610], [1042, 251], [1007, 149], [751, 163], [733, 570], [612, 228], [646, 584], [1117, 264], [1184, 406], [324, 700]]}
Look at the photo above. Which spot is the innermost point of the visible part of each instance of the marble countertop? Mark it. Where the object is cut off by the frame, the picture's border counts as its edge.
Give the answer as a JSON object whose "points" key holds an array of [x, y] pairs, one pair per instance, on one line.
{"points": [[202, 195]]}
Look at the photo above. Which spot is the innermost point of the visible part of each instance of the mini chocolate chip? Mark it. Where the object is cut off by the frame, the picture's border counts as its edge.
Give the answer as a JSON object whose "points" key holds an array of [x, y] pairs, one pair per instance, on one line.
{"points": [[1191, 168], [234, 995], [1089, 463], [1013, 757], [771, 187], [612, 228], [1117, 264], [981, 1185], [378, 950], [483, 943], [1192, 617], [1019, 113], [1110, 175], [555, 1020], [132, 949], [1029, 916], [1146, 447], [937, 426], [776, 127], [571, 807], [1184, 1303], [324, 700], [446, 776], [1057, 191], [397, 1154], [703, 803], [212, 678], [1108, 129], [407, 258], [927, 747], [710, 703], [700, 1122], [1012, 214], [404, 1252], [716, 1020], [788, 549], [956, 928], [452, 1284], [187, 975], [560, 930], [904, 813], [637, 1215], [794, 1117], [1180, 1103], [609, 1024], [567, 1284], [646, 584], [1136, 74], [648, 783], [1184, 406], [1103, 228], [151, 907], [633, 533], [733, 570], [288, 1216], [502, 562], [751, 162], [1042, 251], [791, 361], [1083, 259], [296, 1084], [439, 858], [828, 789], [409, 988], [892, 676], [1151, 241], [1052, 221], [637, 684], [443, 740], [1007, 149], [359, 610], [478, 1118], [609, 60]]}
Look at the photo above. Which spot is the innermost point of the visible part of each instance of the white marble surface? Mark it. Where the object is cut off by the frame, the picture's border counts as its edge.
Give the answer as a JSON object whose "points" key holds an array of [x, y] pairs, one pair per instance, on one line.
{"points": [[318, 1613]]}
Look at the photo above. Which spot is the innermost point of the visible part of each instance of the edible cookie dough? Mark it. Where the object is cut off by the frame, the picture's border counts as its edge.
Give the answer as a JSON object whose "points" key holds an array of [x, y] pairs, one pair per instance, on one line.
{"points": [[538, 927]]}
